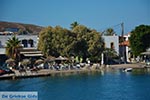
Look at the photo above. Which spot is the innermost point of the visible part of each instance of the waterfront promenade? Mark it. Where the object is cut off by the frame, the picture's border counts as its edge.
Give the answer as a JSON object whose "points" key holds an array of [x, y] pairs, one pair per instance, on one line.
{"points": [[49, 72], [133, 65]]}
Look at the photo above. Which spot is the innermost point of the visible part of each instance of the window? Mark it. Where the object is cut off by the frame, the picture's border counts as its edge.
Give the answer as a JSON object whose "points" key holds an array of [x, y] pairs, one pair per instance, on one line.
{"points": [[25, 43], [30, 41], [104, 45], [112, 45]]}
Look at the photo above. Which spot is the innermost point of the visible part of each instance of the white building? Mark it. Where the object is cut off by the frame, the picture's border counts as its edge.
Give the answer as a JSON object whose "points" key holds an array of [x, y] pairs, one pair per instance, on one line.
{"points": [[27, 41], [125, 49], [112, 42]]}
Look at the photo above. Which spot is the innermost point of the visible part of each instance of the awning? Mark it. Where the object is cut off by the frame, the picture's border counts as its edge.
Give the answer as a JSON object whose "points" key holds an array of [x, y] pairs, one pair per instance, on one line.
{"points": [[30, 52], [32, 55], [146, 53], [61, 58]]}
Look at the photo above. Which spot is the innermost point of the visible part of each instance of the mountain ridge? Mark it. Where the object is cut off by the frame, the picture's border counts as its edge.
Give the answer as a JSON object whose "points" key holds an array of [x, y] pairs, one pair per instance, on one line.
{"points": [[28, 28]]}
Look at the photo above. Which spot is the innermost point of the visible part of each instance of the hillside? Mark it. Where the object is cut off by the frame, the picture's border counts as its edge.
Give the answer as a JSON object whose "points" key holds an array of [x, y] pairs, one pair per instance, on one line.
{"points": [[27, 28]]}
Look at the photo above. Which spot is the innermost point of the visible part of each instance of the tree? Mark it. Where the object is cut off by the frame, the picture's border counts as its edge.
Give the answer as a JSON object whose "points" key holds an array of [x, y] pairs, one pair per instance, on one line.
{"points": [[74, 24], [93, 40], [80, 41], [95, 43], [81, 32], [45, 41], [80, 48], [110, 54], [139, 40], [13, 48], [63, 40], [110, 32], [56, 41]]}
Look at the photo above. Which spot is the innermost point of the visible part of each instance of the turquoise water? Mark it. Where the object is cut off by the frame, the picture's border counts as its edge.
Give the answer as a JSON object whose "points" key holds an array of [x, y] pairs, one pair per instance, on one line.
{"points": [[116, 85]]}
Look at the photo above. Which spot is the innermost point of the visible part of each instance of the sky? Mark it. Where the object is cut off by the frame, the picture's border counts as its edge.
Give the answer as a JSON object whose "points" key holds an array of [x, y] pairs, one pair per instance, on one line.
{"points": [[95, 14]]}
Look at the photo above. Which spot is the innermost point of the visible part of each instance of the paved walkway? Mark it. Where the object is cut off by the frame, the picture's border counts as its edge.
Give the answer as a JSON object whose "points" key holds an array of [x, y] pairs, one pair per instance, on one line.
{"points": [[136, 65]]}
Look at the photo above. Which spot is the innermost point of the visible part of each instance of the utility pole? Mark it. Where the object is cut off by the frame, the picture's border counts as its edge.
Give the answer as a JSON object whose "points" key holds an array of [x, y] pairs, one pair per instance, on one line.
{"points": [[123, 48]]}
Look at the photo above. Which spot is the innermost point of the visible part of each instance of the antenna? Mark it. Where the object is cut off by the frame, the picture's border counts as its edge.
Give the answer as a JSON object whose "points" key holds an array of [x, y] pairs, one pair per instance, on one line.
{"points": [[122, 26], [123, 48]]}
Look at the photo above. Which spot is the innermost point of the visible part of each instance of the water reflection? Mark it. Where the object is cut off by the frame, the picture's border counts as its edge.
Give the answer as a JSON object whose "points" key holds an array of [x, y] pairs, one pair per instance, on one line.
{"points": [[67, 74], [141, 71], [121, 71]]}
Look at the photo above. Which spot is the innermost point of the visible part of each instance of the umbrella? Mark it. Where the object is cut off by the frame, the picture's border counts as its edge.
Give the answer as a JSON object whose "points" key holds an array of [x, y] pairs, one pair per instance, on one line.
{"points": [[26, 62], [61, 58], [146, 53], [10, 60], [50, 58], [39, 61]]}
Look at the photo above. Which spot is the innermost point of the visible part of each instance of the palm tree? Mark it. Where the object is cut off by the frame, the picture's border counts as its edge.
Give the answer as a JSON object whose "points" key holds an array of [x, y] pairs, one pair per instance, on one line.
{"points": [[13, 48], [110, 32], [74, 24], [110, 54]]}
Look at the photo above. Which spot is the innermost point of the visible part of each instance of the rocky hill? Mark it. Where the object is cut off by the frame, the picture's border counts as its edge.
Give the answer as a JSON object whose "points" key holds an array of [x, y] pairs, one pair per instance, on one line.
{"points": [[23, 28]]}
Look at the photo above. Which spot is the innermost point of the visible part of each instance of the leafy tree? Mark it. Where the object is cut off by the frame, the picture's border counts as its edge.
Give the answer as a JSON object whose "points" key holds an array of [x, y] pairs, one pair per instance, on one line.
{"points": [[139, 40], [56, 41], [23, 32], [20, 31], [45, 41], [63, 40], [13, 48], [95, 43], [81, 31], [93, 40], [80, 48], [80, 41]]}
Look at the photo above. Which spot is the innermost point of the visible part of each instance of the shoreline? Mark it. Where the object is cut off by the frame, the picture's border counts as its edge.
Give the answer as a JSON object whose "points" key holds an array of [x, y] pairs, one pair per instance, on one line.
{"points": [[48, 72], [43, 73], [133, 65]]}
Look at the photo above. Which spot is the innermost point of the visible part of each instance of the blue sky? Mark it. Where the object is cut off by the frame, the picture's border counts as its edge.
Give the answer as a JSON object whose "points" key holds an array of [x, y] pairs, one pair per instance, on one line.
{"points": [[95, 14]]}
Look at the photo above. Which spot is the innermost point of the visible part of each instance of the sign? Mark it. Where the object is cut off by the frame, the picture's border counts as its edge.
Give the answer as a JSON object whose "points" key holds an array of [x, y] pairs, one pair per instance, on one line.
{"points": [[18, 96]]}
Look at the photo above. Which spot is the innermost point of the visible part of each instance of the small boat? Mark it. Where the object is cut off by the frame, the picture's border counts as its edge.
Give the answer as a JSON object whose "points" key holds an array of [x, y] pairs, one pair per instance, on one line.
{"points": [[128, 70]]}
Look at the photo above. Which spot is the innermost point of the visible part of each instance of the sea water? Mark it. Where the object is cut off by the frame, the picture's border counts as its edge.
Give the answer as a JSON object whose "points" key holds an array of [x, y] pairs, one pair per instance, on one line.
{"points": [[114, 85]]}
